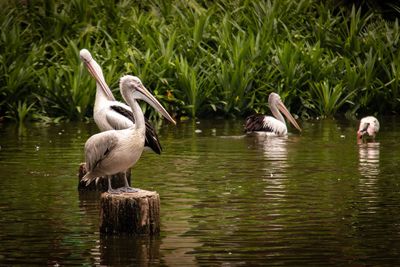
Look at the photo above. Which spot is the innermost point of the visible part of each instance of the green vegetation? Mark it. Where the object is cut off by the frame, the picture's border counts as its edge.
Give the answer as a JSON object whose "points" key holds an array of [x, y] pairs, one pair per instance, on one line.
{"points": [[200, 58]]}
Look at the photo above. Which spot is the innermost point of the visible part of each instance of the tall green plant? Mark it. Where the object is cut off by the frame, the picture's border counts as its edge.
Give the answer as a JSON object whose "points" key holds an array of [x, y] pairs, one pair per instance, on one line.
{"points": [[183, 50], [68, 89], [235, 69], [329, 99], [192, 81]]}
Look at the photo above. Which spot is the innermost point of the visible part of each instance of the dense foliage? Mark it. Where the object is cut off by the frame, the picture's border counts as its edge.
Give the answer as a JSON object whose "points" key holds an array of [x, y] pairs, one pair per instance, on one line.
{"points": [[200, 58]]}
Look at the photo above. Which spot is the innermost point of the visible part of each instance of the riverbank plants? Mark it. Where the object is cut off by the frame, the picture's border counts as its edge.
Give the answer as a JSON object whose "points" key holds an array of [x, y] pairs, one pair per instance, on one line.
{"points": [[200, 58]]}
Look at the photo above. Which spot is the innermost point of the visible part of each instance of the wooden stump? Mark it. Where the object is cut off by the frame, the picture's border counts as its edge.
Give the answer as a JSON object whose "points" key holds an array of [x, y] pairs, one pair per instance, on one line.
{"points": [[130, 213], [102, 185]]}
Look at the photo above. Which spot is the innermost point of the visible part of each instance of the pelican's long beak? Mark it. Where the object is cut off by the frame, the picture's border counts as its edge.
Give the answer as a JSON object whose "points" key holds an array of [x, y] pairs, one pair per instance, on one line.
{"points": [[143, 94], [287, 114], [96, 72]]}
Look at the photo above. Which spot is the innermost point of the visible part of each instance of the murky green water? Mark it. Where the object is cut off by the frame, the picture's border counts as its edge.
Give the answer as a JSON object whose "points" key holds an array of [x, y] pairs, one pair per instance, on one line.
{"points": [[312, 199]]}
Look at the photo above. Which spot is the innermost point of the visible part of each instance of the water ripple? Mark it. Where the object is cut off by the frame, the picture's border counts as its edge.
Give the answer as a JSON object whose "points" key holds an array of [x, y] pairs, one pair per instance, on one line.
{"points": [[226, 199]]}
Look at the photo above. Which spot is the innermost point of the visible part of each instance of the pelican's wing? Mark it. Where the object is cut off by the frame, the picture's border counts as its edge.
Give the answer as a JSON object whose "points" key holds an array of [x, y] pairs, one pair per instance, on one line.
{"points": [[98, 147], [372, 121], [120, 116], [256, 123], [369, 121], [376, 123], [363, 127], [151, 139], [264, 123]]}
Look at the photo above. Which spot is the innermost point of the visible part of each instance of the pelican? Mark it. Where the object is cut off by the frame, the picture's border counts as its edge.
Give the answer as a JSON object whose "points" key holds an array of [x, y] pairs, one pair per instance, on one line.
{"points": [[369, 127], [269, 125], [110, 114], [115, 151]]}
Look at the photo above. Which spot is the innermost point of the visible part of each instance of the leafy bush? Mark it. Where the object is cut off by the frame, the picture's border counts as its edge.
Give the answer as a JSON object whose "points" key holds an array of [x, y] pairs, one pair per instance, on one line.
{"points": [[200, 58]]}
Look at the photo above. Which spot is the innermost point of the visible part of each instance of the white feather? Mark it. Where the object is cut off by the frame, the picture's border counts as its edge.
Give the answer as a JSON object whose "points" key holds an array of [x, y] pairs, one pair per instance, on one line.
{"points": [[371, 120], [108, 119], [277, 127]]}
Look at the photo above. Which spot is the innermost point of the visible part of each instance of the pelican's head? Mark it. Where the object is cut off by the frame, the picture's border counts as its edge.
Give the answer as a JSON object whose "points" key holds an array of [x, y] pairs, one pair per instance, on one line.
{"points": [[95, 71], [133, 85], [85, 56], [274, 101]]}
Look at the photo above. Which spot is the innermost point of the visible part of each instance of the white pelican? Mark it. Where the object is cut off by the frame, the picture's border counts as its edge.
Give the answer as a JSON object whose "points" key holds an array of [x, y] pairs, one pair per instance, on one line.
{"points": [[110, 114], [262, 124], [369, 127], [115, 151]]}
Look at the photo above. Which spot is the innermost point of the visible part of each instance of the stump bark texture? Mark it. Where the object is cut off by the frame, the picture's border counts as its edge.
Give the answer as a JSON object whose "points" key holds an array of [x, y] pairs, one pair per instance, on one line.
{"points": [[102, 185], [130, 213]]}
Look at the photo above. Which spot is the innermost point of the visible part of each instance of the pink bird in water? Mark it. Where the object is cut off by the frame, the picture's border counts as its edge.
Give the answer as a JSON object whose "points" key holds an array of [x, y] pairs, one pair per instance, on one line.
{"points": [[369, 127]]}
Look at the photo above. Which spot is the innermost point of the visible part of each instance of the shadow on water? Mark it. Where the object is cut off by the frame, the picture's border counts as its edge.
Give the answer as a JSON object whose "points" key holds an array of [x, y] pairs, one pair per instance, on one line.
{"points": [[315, 198]]}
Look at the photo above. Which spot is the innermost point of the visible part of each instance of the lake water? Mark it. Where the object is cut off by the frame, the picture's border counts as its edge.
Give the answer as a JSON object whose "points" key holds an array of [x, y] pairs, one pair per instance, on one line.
{"points": [[315, 198]]}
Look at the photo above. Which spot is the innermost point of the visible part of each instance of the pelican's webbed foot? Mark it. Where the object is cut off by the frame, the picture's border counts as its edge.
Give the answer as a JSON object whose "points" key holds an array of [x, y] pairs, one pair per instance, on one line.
{"points": [[128, 189], [113, 191]]}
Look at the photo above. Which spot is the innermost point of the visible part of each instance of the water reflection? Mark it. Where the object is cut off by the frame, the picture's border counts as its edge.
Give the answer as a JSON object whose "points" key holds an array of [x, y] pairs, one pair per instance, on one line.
{"points": [[126, 251], [89, 205], [179, 243], [368, 167], [122, 250], [274, 149], [275, 164], [368, 159], [226, 200]]}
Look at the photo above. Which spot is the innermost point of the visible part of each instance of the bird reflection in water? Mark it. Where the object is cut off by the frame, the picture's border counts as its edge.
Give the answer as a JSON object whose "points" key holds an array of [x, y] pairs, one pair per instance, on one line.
{"points": [[275, 152], [274, 170], [368, 159], [368, 166]]}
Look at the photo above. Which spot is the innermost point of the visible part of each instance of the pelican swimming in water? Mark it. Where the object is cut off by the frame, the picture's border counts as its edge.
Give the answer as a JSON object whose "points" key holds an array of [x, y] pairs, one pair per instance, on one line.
{"points": [[369, 127], [115, 151], [269, 125], [110, 114]]}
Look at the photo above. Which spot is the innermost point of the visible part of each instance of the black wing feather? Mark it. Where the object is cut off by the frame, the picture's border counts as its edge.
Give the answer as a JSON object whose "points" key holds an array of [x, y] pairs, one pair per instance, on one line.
{"points": [[151, 139], [124, 112], [256, 123]]}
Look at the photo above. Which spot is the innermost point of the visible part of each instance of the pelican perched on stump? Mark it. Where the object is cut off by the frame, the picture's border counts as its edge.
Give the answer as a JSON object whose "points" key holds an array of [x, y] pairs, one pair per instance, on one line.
{"points": [[115, 151], [110, 114], [269, 125], [369, 127]]}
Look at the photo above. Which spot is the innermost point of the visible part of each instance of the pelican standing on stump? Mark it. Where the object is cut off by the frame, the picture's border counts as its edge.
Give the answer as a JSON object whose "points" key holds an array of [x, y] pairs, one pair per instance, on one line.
{"points": [[115, 151], [369, 127], [110, 114], [269, 125]]}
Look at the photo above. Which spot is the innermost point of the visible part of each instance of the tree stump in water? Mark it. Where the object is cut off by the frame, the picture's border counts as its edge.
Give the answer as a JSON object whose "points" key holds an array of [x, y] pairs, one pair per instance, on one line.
{"points": [[130, 213], [102, 185]]}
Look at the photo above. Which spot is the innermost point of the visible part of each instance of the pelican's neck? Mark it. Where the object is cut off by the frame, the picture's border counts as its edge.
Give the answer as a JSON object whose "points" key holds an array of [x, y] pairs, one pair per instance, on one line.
{"points": [[277, 114], [137, 112]]}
